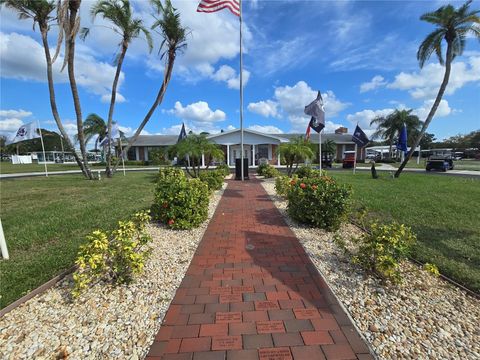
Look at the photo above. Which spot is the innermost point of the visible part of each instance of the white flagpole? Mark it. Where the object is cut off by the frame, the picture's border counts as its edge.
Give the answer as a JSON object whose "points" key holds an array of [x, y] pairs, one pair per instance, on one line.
{"points": [[121, 154], [3, 243], [320, 150], [43, 149], [241, 94], [355, 159]]}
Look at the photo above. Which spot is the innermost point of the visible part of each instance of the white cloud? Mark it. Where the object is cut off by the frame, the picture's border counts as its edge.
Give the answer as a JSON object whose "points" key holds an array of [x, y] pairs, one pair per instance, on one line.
{"points": [[198, 112], [376, 82], [196, 128], [293, 99], [94, 76], [107, 97], [10, 125], [265, 108], [268, 129], [15, 113], [364, 117], [425, 84], [442, 110], [228, 75]]}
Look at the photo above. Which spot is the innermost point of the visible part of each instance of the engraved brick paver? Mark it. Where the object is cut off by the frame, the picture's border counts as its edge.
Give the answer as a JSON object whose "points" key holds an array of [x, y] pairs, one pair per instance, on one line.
{"points": [[252, 293]]}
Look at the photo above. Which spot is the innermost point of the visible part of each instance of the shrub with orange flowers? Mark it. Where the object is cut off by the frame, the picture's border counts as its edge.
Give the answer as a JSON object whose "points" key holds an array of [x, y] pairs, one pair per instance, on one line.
{"points": [[319, 201]]}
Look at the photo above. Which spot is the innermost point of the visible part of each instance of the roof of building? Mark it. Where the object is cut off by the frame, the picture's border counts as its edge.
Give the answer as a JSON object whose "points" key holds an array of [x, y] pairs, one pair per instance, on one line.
{"points": [[167, 140]]}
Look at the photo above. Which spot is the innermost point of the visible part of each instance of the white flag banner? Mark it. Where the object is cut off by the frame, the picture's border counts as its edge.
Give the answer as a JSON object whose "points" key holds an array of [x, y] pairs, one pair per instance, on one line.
{"points": [[26, 132]]}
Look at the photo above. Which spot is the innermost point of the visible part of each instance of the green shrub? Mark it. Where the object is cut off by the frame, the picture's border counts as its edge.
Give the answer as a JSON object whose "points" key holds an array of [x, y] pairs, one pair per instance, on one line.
{"points": [[113, 256], [382, 248], [267, 170], [213, 179], [432, 269], [308, 172], [319, 201], [224, 168], [282, 184], [179, 202]]}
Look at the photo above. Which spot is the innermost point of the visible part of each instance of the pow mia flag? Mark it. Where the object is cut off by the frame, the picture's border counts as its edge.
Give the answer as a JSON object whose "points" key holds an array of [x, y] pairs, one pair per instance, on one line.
{"points": [[316, 111]]}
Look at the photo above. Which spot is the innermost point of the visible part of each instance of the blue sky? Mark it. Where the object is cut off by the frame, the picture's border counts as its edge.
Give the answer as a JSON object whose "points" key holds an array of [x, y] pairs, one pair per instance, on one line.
{"points": [[361, 55]]}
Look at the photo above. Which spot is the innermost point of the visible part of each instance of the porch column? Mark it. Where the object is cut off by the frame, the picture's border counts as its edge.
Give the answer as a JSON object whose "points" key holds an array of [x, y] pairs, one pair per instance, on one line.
{"points": [[253, 155], [278, 155], [228, 155], [203, 160]]}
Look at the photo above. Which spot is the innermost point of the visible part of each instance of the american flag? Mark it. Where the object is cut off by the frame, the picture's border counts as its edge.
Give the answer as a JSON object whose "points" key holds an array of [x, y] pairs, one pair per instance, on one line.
{"points": [[217, 5]]}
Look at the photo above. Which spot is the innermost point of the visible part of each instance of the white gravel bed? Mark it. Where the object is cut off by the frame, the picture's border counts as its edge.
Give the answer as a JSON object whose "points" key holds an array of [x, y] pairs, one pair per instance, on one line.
{"points": [[423, 318], [105, 322]]}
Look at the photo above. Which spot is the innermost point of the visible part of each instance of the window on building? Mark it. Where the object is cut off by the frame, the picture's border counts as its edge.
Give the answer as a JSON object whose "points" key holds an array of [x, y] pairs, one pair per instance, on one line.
{"points": [[131, 155], [263, 151]]}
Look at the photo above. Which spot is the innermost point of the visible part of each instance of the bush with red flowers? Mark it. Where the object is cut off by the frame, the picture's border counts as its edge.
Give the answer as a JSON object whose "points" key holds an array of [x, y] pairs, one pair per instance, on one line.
{"points": [[181, 203], [319, 201]]}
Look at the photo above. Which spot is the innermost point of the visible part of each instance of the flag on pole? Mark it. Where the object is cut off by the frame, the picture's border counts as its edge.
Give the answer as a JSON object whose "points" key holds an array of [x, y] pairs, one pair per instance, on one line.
{"points": [[183, 134], [359, 137], [26, 132], [115, 135], [209, 6], [317, 112], [402, 139]]}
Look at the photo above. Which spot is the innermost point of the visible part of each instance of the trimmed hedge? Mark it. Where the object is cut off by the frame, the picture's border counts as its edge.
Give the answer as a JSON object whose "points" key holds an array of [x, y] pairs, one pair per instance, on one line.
{"points": [[319, 201], [213, 179], [180, 203]]}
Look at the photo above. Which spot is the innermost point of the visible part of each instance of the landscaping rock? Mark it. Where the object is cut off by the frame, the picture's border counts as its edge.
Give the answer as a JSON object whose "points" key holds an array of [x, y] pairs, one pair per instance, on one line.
{"points": [[423, 318], [105, 322]]}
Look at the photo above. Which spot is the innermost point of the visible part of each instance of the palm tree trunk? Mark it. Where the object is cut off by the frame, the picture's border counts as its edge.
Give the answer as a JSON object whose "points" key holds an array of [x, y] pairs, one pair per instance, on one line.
{"points": [[73, 8], [441, 91], [158, 100], [53, 103], [108, 169]]}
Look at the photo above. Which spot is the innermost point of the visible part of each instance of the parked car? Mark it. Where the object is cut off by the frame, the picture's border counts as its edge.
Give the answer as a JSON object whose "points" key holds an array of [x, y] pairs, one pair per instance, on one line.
{"points": [[442, 163]]}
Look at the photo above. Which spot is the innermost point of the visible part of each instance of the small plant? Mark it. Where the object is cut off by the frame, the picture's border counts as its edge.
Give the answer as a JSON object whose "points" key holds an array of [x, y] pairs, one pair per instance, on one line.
{"points": [[382, 248], [319, 201], [432, 269], [224, 168], [283, 183], [267, 171], [113, 256], [179, 202], [213, 179]]}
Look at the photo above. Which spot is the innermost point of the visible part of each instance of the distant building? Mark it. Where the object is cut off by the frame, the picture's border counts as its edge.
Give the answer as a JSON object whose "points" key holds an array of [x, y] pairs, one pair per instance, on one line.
{"points": [[256, 146]]}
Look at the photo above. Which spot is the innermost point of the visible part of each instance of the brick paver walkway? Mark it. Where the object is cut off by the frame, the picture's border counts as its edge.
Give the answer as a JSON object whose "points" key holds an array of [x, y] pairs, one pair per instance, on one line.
{"points": [[251, 292]]}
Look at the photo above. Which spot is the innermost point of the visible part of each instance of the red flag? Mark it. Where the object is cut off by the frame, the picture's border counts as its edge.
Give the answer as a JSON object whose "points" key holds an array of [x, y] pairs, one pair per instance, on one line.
{"points": [[217, 5]]}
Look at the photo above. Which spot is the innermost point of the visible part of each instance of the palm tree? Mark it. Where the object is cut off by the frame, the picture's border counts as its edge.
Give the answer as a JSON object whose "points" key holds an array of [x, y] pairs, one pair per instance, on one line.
{"points": [[68, 20], [453, 26], [174, 38], [40, 11], [193, 147], [294, 152], [389, 126], [119, 12]]}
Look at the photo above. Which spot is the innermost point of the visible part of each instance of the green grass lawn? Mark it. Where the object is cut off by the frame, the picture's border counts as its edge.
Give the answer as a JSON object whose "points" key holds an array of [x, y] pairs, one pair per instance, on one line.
{"points": [[46, 219], [458, 164], [442, 210], [9, 168]]}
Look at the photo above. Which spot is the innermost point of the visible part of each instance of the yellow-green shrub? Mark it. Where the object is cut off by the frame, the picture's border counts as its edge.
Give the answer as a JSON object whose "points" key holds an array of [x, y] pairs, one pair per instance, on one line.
{"points": [[114, 256], [382, 248]]}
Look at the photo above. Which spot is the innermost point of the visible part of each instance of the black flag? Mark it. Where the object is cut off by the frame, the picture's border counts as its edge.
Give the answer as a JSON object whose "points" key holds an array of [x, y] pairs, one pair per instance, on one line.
{"points": [[359, 137], [183, 134]]}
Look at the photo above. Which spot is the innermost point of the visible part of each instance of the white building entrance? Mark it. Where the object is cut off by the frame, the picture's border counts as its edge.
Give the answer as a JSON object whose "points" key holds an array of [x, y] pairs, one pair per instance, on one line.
{"points": [[236, 154]]}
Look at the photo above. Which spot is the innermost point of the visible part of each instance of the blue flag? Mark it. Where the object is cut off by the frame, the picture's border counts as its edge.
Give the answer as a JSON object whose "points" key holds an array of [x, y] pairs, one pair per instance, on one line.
{"points": [[183, 134], [359, 137], [402, 140]]}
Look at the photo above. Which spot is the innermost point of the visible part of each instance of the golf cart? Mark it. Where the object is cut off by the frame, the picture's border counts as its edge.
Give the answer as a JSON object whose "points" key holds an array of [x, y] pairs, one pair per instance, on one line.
{"points": [[442, 163], [349, 159]]}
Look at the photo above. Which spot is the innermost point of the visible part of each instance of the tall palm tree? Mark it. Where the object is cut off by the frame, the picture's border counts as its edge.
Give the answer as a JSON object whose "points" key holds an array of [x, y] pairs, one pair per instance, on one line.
{"points": [[389, 126], [94, 125], [294, 152], [119, 13], [453, 26], [69, 24], [40, 11], [174, 39]]}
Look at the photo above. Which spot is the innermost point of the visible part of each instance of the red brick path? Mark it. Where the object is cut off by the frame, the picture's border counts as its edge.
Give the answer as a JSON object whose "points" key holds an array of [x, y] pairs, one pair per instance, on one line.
{"points": [[251, 292]]}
